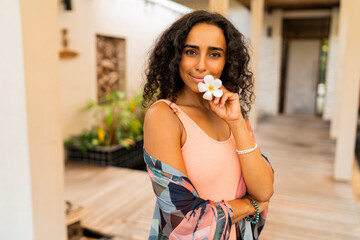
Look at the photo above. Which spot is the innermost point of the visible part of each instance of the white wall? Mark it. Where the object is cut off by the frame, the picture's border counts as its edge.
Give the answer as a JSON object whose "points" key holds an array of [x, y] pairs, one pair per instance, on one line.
{"points": [[240, 17], [138, 21], [16, 216], [331, 66], [268, 86]]}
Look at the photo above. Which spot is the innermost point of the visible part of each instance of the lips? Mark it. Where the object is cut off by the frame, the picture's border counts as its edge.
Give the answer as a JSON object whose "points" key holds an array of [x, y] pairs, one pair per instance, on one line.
{"points": [[197, 79]]}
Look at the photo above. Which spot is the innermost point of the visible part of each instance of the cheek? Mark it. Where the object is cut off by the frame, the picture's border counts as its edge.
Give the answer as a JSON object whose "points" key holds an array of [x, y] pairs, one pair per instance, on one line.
{"points": [[182, 67], [217, 68], [185, 64]]}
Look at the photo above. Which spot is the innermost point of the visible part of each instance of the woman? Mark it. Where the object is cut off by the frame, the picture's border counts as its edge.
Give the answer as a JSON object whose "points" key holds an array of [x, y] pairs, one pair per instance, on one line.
{"points": [[210, 179]]}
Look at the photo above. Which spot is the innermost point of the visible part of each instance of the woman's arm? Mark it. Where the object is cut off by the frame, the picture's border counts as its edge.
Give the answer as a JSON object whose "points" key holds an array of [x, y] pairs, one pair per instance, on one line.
{"points": [[258, 175], [162, 134], [257, 172]]}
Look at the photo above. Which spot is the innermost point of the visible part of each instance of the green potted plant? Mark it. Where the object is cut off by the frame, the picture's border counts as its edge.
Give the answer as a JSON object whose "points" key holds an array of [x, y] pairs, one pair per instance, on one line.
{"points": [[116, 139]]}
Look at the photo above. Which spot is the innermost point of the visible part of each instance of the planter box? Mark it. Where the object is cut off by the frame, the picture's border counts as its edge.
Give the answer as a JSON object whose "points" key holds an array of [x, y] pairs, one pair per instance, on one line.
{"points": [[109, 156]]}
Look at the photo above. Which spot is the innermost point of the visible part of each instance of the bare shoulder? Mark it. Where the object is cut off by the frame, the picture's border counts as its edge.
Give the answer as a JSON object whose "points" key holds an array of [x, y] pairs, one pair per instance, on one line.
{"points": [[160, 117], [162, 131]]}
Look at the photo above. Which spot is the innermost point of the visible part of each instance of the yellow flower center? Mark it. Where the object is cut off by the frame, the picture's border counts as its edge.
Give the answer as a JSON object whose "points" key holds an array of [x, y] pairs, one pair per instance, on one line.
{"points": [[211, 88]]}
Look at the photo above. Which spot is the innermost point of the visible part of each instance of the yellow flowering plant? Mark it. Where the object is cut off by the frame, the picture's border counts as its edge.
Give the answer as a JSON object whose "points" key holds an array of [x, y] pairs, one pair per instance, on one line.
{"points": [[119, 121]]}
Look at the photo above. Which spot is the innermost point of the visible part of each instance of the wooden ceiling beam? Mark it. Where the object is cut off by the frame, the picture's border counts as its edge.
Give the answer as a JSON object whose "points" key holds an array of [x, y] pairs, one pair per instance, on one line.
{"points": [[295, 4]]}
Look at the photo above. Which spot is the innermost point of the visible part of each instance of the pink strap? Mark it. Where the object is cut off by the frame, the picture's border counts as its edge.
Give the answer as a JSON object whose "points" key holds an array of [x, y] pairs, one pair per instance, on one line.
{"points": [[170, 104]]}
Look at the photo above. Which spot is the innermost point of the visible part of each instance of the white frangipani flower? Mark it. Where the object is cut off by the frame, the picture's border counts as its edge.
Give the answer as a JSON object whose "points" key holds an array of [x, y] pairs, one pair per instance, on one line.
{"points": [[210, 87]]}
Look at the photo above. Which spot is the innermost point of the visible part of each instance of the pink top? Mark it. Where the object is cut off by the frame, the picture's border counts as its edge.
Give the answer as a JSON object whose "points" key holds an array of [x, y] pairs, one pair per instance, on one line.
{"points": [[212, 166]]}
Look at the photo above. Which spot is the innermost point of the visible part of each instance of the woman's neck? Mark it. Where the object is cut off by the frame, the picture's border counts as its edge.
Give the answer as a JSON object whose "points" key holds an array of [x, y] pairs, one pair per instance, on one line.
{"points": [[187, 97]]}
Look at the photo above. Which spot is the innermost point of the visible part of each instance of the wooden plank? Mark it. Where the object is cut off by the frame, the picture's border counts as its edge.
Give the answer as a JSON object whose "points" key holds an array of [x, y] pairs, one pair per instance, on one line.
{"points": [[76, 214], [307, 204]]}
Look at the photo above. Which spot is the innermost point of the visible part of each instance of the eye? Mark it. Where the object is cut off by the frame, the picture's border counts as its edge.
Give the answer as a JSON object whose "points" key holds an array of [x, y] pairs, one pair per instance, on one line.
{"points": [[190, 52], [215, 55]]}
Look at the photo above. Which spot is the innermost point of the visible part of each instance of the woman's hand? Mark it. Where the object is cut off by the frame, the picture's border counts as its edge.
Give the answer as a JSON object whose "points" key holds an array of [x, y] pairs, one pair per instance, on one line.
{"points": [[242, 208], [262, 205], [227, 106]]}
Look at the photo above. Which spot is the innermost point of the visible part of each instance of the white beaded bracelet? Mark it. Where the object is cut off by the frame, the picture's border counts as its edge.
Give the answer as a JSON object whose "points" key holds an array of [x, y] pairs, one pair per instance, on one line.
{"points": [[246, 150]]}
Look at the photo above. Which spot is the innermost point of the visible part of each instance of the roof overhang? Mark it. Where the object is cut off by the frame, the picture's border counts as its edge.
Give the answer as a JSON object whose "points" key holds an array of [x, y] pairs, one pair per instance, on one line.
{"points": [[296, 4]]}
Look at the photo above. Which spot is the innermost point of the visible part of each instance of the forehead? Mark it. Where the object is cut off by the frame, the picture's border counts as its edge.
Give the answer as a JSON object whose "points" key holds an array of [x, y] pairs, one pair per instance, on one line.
{"points": [[203, 34]]}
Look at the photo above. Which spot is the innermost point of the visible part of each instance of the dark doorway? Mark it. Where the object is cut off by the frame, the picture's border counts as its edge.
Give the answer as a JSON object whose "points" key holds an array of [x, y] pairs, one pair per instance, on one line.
{"points": [[297, 33]]}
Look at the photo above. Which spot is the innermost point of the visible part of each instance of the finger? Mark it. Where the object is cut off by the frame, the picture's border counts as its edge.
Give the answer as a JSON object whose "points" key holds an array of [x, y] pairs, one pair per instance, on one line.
{"points": [[213, 106], [224, 98], [223, 88], [216, 100]]}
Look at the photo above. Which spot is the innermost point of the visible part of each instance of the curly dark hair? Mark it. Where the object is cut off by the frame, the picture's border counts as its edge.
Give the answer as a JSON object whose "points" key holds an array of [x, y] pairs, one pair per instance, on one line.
{"points": [[162, 73]]}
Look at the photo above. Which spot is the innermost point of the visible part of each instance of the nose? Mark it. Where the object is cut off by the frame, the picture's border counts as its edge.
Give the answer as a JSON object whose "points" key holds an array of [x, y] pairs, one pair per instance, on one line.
{"points": [[201, 65]]}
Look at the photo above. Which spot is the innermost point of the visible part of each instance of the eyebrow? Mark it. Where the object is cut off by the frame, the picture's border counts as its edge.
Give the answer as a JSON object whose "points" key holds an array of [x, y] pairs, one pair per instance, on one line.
{"points": [[210, 48]]}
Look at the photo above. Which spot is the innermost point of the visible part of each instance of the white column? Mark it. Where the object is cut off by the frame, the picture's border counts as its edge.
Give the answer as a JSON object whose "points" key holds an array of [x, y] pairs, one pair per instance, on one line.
{"points": [[331, 65], [219, 6], [343, 28], [40, 41], [268, 81], [16, 212], [257, 16], [348, 114]]}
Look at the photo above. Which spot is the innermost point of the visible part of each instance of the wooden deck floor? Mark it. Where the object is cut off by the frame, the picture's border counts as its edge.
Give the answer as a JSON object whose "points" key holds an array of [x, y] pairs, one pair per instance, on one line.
{"points": [[307, 203]]}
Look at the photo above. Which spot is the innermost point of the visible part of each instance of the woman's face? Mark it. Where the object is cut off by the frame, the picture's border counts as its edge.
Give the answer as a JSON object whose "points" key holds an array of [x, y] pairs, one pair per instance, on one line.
{"points": [[203, 53]]}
